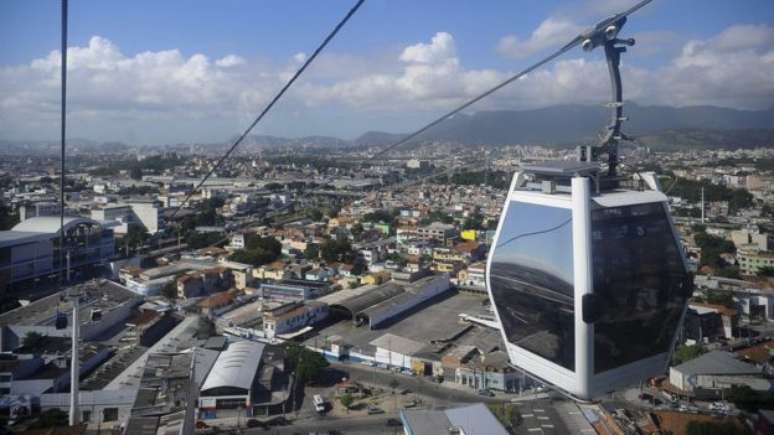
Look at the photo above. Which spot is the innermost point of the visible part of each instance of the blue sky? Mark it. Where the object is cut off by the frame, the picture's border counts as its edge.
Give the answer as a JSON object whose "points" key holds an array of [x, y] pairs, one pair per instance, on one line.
{"points": [[142, 66]]}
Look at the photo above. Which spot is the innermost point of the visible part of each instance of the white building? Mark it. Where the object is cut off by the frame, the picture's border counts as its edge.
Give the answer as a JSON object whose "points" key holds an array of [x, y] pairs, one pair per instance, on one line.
{"points": [[145, 213], [716, 371], [230, 382], [293, 316]]}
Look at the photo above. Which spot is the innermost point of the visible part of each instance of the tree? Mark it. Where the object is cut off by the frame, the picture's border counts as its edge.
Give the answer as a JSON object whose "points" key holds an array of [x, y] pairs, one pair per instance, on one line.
{"points": [[33, 339], [346, 399], [312, 251], [136, 237], [715, 428], [337, 250], [358, 267], [258, 250], [169, 290], [747, 399], [8, 219], [50, 418], [136, 173], [357, 230], [314, 214], [721, 298], [766, 271], [308, 365], [196, 240], [685, 353]]}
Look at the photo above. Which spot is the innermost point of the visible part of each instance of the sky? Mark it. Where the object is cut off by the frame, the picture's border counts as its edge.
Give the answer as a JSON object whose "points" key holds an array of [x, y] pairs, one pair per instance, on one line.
{"points": [[193, 71]]}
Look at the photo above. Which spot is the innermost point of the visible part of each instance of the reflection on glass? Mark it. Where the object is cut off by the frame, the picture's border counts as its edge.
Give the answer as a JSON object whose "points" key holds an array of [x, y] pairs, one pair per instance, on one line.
{"points": [[532, 281], [639, 276]]}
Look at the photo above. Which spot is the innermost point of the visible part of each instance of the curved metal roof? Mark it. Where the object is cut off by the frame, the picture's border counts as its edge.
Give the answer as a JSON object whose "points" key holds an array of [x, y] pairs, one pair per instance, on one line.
{"points": [[357, 304], [50, 224], [236, 366]]}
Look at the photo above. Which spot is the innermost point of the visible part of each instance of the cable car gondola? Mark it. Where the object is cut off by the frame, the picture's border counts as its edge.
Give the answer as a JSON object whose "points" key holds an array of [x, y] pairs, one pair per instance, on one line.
{"points": [[587, 277]]}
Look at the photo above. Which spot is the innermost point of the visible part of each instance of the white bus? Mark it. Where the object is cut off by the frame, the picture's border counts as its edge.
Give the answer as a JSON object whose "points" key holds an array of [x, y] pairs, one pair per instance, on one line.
{"points": [[319, 403]]}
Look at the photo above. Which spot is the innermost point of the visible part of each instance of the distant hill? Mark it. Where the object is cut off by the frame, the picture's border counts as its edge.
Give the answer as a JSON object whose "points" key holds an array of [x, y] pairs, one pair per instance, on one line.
{"points": [[571, 124], [661, 127]]}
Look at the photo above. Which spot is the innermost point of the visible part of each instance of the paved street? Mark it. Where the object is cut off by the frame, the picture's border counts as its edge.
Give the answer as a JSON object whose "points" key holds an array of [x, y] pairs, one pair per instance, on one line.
{"points": [[345, 425], [418, 385]]}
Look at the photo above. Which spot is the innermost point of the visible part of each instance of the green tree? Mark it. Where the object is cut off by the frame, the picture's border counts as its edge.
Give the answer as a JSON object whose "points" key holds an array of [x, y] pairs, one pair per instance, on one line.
{"points": [[766, 271], [308, 365], [715, 428], [685, 353], [33, 339], [169, 290], [357, 230], [136, 173], [358, 267], [314, 214], [50, 418], [312, 251], [721, 298], [135, 237], [337, 250], [8, 219], [711, 249], [197, 240], [347, 400], [749, 400]]}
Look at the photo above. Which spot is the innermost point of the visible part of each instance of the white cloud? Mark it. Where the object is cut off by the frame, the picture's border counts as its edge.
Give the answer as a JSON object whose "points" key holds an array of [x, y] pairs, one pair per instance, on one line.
{"points": [[299, 57], [440, 49], [229, 61], [552, 32], [154, 90]]}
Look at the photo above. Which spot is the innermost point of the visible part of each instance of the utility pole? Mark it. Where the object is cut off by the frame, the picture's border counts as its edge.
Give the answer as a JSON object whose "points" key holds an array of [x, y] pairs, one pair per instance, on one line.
{"points": [[74, 360], [702, 205]]}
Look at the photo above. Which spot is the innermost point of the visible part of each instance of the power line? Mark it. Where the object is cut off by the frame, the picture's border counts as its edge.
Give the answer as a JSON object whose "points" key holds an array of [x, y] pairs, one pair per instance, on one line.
{"points": [[534, 233], [469, 103], [272, 102], [63, 121]]}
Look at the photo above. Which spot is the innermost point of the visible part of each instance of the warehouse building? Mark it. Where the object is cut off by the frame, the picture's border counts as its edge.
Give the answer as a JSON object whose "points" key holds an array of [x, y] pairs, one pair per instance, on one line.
{"points": [[709, 375], [31, 249], [386, 302]]}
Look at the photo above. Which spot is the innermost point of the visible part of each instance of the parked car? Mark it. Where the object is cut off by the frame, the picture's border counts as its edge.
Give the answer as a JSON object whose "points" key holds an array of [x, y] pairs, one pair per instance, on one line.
{"points": [[256, 423], [375, 410], [486, 393], [394, 422]]}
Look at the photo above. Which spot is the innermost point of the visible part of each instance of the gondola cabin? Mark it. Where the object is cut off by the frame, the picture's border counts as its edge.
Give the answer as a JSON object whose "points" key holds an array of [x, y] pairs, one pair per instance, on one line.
{"points": [[589, 283]]}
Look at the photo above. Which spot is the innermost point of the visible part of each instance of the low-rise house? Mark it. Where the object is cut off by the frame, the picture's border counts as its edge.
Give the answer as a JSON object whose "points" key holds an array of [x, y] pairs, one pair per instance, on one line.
{"points": [[293, 316], [710, 375], [273, 271], [473, 277]]}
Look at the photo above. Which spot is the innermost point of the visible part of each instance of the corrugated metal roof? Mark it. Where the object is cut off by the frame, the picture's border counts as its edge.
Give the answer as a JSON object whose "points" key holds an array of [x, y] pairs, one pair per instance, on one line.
{"points": [[50, 224], [716, 363], [475, 419], [235, 366], [360, 303]]}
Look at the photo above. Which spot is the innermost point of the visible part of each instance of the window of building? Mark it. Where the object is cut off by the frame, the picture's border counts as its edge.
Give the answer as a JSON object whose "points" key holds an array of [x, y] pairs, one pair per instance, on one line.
{"points": [[86, 416], [640, 277], [110, 414], [532, 281]]}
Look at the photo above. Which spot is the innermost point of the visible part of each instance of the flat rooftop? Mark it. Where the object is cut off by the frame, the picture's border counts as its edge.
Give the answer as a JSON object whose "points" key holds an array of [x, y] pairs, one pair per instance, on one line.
{"points": [[98, 294], [436, 320]]}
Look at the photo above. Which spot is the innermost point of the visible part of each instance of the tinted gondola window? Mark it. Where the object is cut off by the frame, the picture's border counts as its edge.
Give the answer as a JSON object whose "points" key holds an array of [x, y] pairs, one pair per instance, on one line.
{"points": [[531, 277], [640, 277]]}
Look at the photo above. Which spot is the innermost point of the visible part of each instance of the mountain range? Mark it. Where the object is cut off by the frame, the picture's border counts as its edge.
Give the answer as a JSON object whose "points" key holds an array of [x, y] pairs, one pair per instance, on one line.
{"points": [[660, 127]]}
